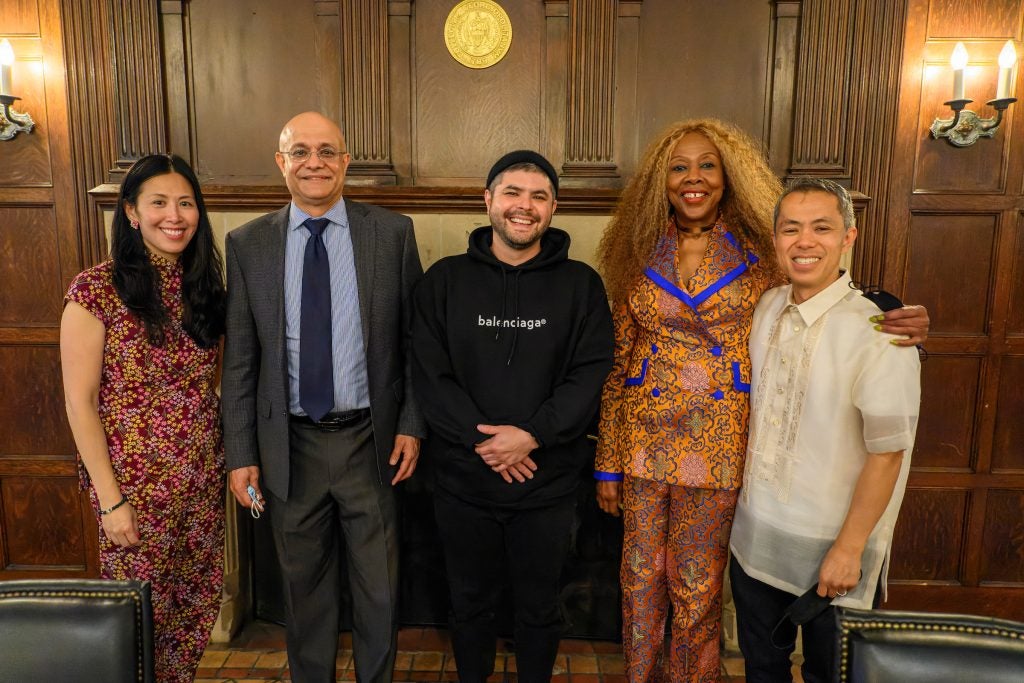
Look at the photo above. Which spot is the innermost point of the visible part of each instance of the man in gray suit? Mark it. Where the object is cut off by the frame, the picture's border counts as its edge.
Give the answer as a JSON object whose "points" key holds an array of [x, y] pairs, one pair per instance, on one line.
{"points": [[318, 413]]}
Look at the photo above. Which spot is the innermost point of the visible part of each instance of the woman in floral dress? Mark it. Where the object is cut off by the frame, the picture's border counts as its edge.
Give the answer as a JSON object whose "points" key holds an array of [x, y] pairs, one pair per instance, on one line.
{"points": [[139, 345]]}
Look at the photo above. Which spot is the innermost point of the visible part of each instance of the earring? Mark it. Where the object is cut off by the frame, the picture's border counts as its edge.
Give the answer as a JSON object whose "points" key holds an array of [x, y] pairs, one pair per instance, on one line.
{"points": [[134, 223]]}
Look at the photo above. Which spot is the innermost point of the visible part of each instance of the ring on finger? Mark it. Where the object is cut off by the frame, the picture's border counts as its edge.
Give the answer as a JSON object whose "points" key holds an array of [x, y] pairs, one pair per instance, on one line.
{"points": [[840, 595]]}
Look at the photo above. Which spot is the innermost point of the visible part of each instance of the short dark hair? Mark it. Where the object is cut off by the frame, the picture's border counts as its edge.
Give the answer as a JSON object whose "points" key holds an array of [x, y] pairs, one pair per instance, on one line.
{"points": [[806, 184]]}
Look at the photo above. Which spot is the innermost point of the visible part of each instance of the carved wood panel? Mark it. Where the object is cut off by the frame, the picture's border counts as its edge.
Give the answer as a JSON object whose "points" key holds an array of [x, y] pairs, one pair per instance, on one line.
{"points": [[44, 526], [949, 396], [958, 170], [954, 245], [1008, 442], [940, 245], [1015, 314], [929, 537], [45, 522], [1003, 544], [975, 18], [466, 118], [32, 411], [32, 292]]}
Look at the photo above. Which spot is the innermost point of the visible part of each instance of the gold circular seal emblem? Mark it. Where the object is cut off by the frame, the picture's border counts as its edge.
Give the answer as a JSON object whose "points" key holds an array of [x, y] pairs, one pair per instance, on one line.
{"points": [[477, 33]]}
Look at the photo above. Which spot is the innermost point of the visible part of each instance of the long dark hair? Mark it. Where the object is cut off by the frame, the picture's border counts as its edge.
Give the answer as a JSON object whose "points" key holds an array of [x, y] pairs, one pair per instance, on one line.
{"points": [[137, 281]]}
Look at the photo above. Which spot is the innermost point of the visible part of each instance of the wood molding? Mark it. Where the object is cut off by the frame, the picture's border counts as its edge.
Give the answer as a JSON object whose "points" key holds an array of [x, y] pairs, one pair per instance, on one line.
{"points": [[589, 136], [365, 116], [778, 127], [822, 89], [90, 108], [137, 87], [874, 101], [404, 198]]}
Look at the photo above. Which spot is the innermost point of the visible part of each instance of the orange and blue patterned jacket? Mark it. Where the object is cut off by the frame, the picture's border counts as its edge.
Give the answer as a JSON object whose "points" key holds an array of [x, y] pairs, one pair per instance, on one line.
{"points": [[675, 407]]}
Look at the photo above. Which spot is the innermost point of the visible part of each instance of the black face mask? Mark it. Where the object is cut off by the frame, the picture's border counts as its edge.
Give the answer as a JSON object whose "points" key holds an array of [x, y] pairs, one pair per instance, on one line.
{"points": [[802, 610]]}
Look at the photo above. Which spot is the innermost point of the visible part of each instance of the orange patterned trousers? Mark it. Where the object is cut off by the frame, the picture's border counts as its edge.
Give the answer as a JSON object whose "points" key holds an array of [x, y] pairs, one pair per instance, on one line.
{"points": [[674, 552]]}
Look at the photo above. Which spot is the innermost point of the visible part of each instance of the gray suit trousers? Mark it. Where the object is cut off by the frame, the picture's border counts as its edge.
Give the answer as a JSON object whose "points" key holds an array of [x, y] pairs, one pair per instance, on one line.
{"points": [[337, 501]]}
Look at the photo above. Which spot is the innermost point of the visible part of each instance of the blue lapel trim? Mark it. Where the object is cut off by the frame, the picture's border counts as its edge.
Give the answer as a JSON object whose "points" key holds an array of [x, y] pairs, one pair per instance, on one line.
{"points": [[639, 379], [737, 379], [695, 301]]}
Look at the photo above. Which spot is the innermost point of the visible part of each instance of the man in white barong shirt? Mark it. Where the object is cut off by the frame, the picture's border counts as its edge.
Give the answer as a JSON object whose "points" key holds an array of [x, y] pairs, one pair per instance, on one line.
{"points": [[834, 413]]}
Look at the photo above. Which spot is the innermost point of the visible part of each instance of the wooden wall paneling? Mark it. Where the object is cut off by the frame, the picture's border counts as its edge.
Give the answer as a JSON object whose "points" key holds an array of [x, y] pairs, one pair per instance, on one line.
{"points": [[32, 409], [950, 390], [364, 77], [627, 61], [943, 201], [21, 16], [1015, 308], [781, 87], [177, 70], [700, 59], [942, 167], [254, 67], [928, 542], [401, 95], [32, 293], [955, 19], [941, 244], [874, 97], [1008, 439], [44, 527], [554, 116], [1002, 555], [466, 118], [26, 157], [327, 40], [138, 80], [589, 146], [823, 90], [90, 108]]}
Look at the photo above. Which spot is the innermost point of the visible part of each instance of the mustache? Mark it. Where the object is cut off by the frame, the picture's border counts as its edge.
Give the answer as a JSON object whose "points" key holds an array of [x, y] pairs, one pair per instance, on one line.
{"points": [[519, 213]]}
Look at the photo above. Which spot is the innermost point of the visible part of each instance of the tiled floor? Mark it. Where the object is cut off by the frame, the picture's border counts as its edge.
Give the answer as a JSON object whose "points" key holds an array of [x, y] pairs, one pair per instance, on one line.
{"points": [[257, 656]]}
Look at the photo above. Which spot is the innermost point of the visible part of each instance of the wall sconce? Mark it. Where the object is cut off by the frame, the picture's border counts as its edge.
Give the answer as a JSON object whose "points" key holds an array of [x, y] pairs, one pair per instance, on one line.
{"points": [[11, 122], [966, 127]]}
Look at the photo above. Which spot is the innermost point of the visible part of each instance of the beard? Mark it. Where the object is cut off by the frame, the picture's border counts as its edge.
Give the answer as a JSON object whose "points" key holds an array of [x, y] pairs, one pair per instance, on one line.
{"points": [[517, 240]]}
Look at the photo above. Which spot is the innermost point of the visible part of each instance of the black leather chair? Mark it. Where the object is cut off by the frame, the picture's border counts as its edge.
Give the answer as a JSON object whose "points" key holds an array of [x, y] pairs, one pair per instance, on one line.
{"points": [[878, 646], [76, 631]]}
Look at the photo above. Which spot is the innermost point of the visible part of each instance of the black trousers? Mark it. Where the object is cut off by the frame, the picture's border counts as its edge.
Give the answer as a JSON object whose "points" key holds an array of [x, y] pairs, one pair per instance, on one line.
{"points": [[336, 501], [759, 607], [483, 548]]}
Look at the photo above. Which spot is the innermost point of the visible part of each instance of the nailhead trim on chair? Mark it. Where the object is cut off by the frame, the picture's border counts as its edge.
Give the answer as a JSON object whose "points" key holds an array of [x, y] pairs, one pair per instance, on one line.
{"points": [[95, 594], [887, 626]]}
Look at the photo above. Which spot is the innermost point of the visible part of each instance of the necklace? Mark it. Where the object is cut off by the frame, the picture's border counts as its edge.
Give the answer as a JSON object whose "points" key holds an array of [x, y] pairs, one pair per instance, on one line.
{"points": [[694, 232]]}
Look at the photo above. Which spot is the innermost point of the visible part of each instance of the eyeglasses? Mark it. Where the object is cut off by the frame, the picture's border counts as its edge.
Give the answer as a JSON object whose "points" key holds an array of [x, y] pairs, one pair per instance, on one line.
{"points": [[301, 155]]}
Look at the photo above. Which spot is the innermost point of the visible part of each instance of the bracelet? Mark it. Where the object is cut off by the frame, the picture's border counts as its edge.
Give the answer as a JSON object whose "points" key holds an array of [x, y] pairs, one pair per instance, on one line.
{"points": [[113, 507]]}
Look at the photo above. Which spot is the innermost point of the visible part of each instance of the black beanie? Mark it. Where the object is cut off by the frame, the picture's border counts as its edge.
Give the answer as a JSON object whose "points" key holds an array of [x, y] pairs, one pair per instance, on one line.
{"points": [[524, 156]]}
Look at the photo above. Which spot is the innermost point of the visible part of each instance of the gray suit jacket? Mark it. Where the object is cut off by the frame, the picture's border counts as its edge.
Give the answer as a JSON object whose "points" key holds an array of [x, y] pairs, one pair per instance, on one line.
{"points": [[255, 381]]}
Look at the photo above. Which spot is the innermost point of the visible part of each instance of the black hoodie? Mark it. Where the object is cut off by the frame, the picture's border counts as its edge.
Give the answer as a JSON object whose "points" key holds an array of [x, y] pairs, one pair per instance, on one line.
{"points": [[527, 345]]}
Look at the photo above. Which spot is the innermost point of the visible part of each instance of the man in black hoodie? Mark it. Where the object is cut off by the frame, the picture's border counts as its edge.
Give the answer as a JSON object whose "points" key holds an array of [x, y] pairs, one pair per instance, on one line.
{"points": [[511, 343]]}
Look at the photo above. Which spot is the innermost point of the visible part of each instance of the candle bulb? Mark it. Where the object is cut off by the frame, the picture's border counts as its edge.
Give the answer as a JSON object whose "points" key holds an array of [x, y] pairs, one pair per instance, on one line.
{"points": [[6, 62], [958, 61], [1007, 58]]}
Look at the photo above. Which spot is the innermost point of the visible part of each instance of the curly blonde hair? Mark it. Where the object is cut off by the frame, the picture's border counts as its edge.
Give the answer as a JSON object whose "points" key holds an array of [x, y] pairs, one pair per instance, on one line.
{"points": [[751, 190]]}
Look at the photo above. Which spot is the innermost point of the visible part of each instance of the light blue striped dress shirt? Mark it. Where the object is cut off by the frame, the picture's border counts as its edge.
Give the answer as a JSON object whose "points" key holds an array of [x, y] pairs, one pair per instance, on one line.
{"points": [[351, 387]]}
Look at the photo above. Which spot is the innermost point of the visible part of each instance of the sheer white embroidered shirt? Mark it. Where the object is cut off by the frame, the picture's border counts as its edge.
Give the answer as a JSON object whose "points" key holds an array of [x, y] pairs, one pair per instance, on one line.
{"points": [[827, 390]]}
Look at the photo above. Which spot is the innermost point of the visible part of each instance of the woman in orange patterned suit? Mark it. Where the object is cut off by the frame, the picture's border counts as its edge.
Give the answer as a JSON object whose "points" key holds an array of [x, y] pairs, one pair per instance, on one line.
{"points": [[685, 259], [139, 341]]}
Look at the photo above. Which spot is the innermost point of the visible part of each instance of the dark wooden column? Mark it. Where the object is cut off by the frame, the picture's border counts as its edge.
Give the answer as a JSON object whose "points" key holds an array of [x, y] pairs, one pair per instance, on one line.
{"points": [[139, 114], [589, 137], [365, 115]]}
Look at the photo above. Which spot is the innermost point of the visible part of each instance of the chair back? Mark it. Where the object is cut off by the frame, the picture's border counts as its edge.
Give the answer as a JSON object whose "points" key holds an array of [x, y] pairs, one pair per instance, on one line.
{"points": [[879, 646], [76, 630]]}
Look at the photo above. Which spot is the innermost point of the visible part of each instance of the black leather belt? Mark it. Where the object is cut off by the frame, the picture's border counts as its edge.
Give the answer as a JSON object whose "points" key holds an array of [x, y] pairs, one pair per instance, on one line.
{"points": [[332, 422]]}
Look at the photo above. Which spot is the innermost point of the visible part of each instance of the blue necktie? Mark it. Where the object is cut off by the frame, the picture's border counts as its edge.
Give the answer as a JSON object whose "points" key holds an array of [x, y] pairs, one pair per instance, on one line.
{"points": [[316, 358]]}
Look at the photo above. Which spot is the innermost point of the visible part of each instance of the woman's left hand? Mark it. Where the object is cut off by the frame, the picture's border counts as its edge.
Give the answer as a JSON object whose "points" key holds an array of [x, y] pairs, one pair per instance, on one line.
{"points": [[609, 497], [909, 321], [122, 526]]}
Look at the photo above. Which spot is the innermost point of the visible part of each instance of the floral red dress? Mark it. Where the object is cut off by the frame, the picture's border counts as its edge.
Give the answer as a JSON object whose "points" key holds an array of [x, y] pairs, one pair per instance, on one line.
{"points": [[161, 416]]}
